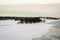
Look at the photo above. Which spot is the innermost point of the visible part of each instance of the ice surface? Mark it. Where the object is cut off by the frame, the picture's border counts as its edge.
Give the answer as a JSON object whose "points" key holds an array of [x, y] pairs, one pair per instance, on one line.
{"points": [[9, 30]]}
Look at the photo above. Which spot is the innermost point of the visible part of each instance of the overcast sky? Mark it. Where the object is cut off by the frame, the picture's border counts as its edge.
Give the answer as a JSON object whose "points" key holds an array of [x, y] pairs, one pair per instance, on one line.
{"points": [[28, 1], [30, 8]]}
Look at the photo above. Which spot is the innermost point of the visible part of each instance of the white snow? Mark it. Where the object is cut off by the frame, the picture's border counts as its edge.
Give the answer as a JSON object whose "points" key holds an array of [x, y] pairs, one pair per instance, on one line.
{"points": [[9, 30], [50, 20]]}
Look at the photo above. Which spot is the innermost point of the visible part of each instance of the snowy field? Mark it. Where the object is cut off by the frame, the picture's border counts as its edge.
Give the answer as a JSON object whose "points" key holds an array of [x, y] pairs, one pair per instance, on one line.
{"points": [[10, 30]]}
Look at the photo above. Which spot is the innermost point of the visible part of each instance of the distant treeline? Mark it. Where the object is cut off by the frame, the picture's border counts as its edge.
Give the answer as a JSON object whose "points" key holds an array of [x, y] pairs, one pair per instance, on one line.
{"points": [[27, 19], [23, 19], [19, 18]]}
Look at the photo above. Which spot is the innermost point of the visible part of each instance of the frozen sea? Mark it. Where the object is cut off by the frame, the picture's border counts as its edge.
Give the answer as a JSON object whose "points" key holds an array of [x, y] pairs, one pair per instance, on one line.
{"points": [[10, 30]]}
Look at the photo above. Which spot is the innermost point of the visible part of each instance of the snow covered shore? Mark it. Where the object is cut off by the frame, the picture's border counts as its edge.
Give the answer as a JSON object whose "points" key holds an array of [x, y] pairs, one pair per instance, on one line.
{"points": [[9, 30], [53, 34]]}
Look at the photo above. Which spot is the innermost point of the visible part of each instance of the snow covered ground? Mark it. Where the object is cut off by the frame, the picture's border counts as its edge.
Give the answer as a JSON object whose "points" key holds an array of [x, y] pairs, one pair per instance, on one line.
{"points": [[9, 30]]}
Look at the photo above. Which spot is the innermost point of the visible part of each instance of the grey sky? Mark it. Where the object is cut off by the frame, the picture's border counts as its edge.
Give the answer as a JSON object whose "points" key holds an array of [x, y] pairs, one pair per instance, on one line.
{"points": [[29, 1], [30, 8]]}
